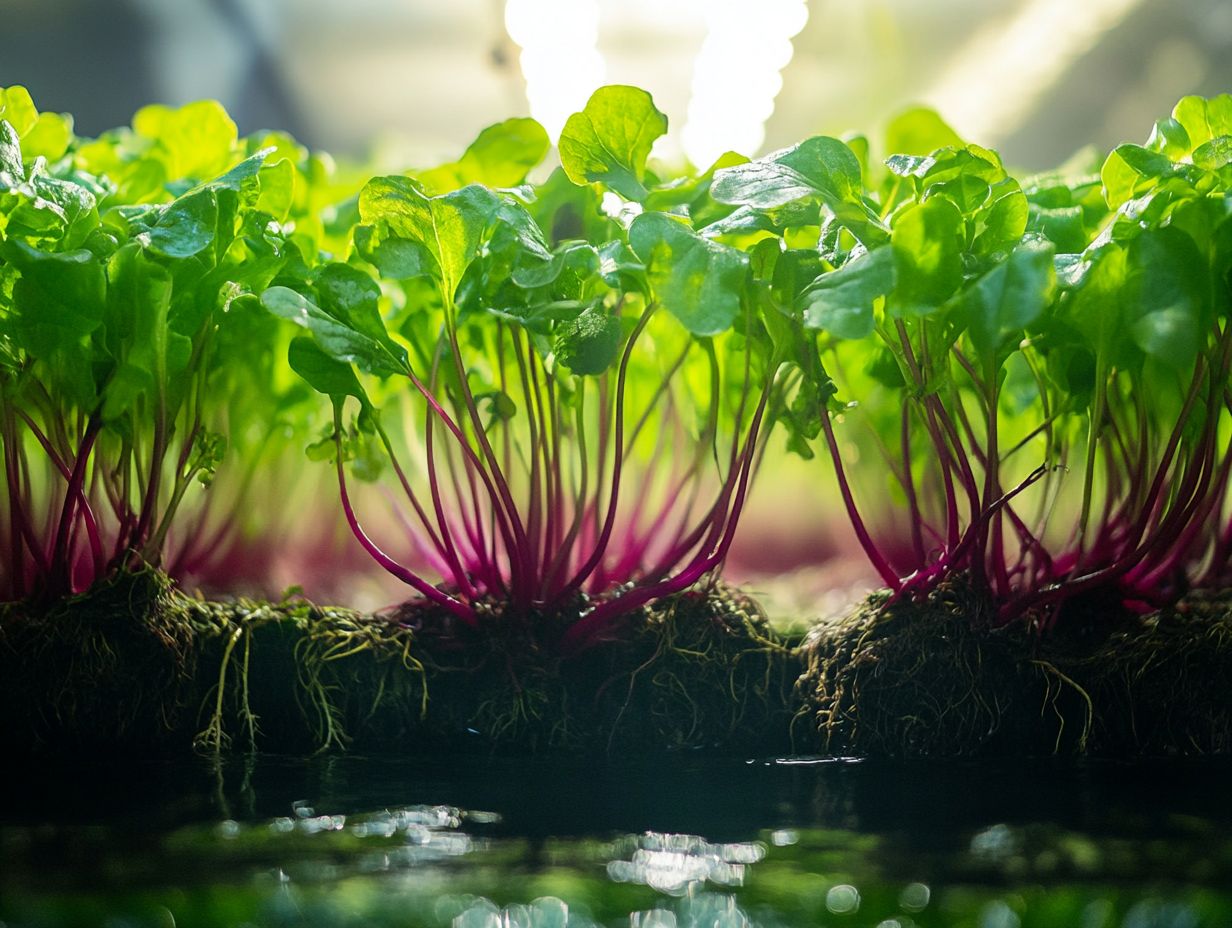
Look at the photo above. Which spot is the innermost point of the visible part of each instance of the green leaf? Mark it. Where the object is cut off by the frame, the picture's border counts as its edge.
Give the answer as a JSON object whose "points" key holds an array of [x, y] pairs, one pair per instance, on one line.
{"points": [[278, 182], [580, 257], [503, 154], [49, 137], [1166, 296], [17, 109], [129, 382], [64, 290], [1003, 223], [609, 141], [927, 255], [350, 295], [1129, 170], [919, 131], [1204, 119], [10, 152], [322, 372], [821, 167], [699, 281], [1213, 155], [841, 302], [394, 258], [139, 309], [338, 339], [966, 191], [590, 343], [1002, 303], [452, 227], [186, 227], [196, 140], [1170, 138]]}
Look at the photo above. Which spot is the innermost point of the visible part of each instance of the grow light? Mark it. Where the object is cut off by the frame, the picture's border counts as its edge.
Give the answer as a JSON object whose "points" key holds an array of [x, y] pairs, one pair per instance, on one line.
{"points": [[560, 59], [729, 107]]}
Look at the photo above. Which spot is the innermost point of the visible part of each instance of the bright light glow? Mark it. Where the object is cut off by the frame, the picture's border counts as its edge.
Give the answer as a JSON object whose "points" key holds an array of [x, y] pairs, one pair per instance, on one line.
{"points": [[996, 79], [736, 76], [560, 58]]}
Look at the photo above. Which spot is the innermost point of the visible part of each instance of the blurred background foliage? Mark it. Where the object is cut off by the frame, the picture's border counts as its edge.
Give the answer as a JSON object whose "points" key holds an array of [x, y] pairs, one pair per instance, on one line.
{"points": [[418, 79]]}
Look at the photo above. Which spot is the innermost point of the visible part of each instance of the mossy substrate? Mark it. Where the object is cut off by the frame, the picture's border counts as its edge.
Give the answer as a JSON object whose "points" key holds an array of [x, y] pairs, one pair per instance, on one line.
{"points": [[938, 679], [134, 666]]}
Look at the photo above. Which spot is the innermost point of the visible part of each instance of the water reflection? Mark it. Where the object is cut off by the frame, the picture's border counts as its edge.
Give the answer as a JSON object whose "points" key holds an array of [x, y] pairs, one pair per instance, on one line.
{"points": [[674, 864], [357, 842]]}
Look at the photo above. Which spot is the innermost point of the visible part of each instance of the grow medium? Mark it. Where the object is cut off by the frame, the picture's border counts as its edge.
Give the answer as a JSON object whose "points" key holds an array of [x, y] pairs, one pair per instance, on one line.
{"points": [[540, 401]]}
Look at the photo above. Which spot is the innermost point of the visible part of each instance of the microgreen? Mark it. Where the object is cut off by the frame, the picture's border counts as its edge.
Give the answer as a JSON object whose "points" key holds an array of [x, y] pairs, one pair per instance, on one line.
{"points": [[561, 389], [572, 424]]}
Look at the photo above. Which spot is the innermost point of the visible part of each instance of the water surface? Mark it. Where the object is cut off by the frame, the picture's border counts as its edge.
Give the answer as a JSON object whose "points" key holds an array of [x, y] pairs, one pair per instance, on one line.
{"points": [[665, 842]]}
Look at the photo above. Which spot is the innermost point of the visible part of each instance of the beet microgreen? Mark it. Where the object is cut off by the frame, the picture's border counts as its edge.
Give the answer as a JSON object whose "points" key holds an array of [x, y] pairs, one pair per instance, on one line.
{"points": [[576, 426], [559, 390], [124, 303], [1017, 352]]}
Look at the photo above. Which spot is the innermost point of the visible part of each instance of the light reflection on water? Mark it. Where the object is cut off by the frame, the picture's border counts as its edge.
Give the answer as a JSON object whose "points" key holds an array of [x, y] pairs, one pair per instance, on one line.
{"points": [[673, 864], [839, 852]]}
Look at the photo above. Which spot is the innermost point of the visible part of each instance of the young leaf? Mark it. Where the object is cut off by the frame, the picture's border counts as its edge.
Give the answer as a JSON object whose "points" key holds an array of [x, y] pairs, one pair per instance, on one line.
{"points": [[186, 227], [394, 258], [196, 140], [1010, 297], [338, 339], [919, 131], [1166, 295], [1204, 119], [451, 226], [10, 153], [322, 372], [501, 156], [699, 281], [1128, 170], [841, 302], [821, 167], [578, 256], [589, 343], [62, 291], [927, 255], [350, 295], [609, 140]]}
